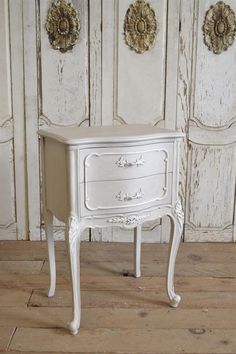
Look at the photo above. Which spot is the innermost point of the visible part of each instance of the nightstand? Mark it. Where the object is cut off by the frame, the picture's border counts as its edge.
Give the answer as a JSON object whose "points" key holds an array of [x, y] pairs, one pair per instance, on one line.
{"points": [[109, 176]]}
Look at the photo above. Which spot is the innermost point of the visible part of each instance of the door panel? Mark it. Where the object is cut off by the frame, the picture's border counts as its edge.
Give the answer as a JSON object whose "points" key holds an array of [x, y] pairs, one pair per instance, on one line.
{"points": [[7, 190], [58, 85], [13, 224], [134, 86], [210, 192], [139, 80]]}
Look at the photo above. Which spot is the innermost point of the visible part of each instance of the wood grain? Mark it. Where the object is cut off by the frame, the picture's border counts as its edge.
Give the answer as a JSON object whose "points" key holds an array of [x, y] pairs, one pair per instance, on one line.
{"points": [[16, 297], [133, 340], [23, 267], [116, 306], [5, 337], [148, 269], [132, 318], [135, 299]]}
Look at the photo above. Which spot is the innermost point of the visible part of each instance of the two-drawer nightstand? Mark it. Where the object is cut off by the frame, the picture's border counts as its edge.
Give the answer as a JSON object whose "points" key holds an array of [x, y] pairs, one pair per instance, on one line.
{"points": [[110, 175]]}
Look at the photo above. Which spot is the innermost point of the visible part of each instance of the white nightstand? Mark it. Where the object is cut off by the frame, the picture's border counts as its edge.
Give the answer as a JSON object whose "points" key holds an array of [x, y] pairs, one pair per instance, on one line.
{"points": [[110, 175]]}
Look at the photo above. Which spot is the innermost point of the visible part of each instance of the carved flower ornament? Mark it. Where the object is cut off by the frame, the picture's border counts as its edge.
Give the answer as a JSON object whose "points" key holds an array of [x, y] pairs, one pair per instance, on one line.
{"points": [[62, 25], [140, 26], [219, 27]]}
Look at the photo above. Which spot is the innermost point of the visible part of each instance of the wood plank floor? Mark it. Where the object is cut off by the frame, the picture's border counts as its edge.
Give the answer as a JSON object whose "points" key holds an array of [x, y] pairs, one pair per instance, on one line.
{"points": [[120, 314]]}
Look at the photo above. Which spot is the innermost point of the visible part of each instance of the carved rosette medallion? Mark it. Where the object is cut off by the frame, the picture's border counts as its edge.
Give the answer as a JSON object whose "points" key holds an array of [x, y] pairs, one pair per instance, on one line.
{"points": [[140, 26], [62, 25], [219, 27]]}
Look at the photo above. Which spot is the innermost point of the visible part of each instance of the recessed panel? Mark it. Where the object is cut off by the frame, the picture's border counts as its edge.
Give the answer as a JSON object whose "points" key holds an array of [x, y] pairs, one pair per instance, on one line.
{"points": [[5, 84], [214, 92], [211, 186], [64, 76], [7, 197], [140, 78]]}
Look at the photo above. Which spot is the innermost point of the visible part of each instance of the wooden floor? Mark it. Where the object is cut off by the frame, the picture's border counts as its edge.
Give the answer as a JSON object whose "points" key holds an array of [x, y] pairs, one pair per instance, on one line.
{"points": [[120, 314]]}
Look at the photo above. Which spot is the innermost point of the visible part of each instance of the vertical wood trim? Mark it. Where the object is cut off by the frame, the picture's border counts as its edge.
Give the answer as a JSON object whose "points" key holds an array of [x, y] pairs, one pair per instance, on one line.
{"points": [[171, 80], [108, 60], [187, 10], [17, 67], [95, 74], [31, 117], [95, 62], [172, 46]]}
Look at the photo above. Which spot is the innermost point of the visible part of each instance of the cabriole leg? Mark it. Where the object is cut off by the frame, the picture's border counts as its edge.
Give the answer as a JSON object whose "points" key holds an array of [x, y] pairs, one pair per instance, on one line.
{"points": [[177, 219], [73, 244], [51, 251], [137, 250]]}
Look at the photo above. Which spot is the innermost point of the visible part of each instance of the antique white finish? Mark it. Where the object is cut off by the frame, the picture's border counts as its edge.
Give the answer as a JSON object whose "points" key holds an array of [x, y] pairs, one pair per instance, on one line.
{"points": [[84, 199], [207, 112], [13, 195]]}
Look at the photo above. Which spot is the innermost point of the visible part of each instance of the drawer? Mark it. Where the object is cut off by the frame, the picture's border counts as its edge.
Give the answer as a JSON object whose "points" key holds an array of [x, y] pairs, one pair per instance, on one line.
{"points": [[125, 163], [141, 192]]}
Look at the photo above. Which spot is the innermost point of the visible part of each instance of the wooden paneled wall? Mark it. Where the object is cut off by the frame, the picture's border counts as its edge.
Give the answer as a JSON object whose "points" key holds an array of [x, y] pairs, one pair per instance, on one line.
{"points": [[178, 84]]}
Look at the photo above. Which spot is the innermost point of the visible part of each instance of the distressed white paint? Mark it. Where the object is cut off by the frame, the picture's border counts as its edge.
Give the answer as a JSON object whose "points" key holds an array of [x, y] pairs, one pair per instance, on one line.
{"points": [[31, 116], [13, 221], [64, 77], [135, 86], [62, 161], [7, 190], [207, 99], [101, 81], [56, 93], [214, 78], [139, 80]]}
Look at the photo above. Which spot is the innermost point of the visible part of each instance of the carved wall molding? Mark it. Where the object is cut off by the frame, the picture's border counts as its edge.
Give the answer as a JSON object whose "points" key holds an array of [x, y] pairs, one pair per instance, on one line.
{"points": [[62, 25], [140, 26], [219, 27]]}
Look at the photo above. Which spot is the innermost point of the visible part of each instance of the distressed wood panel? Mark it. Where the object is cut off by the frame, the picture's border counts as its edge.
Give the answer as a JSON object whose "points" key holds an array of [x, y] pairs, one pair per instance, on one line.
{"points": [[211, 108], [7, 213], [17, 77], [31, 115], [210, 196], [56, 93], [184, 86], [64, 76], [139, 83], [5, 87], [7, 188], [214, 89], [135, 86]]}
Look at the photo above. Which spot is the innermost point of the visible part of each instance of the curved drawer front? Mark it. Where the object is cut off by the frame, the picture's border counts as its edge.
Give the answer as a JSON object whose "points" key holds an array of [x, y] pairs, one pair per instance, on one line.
{"points": [[126, 163], [141, 192]]}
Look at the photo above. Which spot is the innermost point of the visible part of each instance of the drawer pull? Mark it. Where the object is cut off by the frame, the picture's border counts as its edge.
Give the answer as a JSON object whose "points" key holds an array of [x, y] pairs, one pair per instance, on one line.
{"points": [[122, 162], [124, 197]]}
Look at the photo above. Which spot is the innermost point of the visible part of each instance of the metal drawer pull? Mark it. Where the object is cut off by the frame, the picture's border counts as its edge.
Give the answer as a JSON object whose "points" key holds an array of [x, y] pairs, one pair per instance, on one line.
{"points": [[124, 197], [122, 162]]}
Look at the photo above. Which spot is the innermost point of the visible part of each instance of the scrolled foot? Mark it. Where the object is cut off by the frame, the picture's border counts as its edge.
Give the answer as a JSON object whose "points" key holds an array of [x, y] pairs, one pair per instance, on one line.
{"points": [[51, 292], [174, 302], [74, 327]]}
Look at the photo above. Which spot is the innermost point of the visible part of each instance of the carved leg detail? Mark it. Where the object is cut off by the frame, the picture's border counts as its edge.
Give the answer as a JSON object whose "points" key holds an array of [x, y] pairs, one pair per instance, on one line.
{"points": [[137, 250], [177, 220], [73, 243], [51, 252]]}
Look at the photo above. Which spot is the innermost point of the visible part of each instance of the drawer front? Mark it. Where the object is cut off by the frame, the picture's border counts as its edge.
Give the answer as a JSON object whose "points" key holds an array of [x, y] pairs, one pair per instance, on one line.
{"points": [[139, 193], [125, 163]]}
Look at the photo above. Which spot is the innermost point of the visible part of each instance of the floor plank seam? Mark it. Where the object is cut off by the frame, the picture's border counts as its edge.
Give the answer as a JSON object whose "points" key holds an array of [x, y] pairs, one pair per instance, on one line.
{"points": [[44, 261], [11, 338], [28, 302]]}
